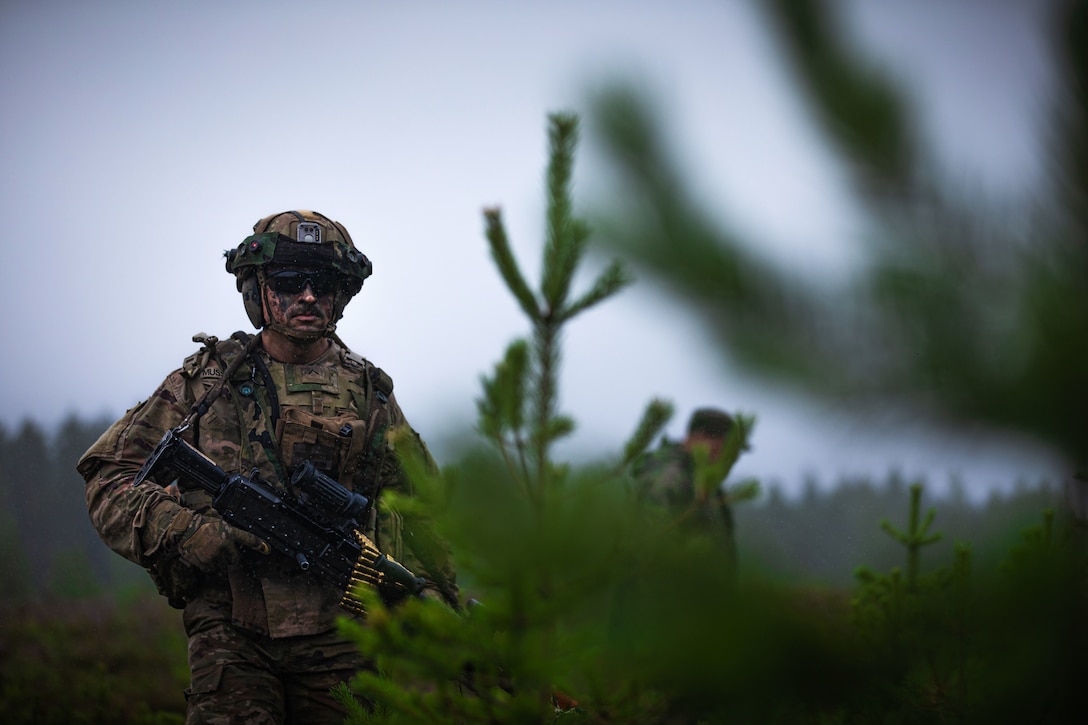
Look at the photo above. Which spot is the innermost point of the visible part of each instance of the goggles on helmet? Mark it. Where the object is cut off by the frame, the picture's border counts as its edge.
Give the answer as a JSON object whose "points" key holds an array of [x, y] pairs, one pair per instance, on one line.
{"points": [[294, 281], [272, 248]]}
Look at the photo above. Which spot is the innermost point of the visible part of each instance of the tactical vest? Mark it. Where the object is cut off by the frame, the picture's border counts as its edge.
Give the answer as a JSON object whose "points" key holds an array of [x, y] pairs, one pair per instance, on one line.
{"points": [[257, 415], [334, 415]]}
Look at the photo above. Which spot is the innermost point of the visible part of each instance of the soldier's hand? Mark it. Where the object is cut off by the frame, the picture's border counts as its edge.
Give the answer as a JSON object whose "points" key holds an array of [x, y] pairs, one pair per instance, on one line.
{"points": [[211, 543]]}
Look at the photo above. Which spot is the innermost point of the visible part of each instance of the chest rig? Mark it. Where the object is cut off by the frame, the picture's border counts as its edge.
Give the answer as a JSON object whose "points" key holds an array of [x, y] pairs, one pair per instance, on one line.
{"points": [[334, 412]]}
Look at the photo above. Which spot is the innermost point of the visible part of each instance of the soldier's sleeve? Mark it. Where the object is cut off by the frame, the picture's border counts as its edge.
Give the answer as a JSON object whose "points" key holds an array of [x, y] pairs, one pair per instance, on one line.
{"points": [[414, 540], [135, 521]]}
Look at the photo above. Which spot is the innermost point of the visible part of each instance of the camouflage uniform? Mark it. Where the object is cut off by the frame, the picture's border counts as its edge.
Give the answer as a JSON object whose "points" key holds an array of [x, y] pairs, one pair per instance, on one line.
{"points": [[665, 478], [263, 646]]}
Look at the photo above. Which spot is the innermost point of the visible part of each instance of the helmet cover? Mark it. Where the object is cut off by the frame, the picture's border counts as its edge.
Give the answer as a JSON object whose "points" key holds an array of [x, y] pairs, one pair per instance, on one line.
{"points": [[302, 240], [710, 422]]}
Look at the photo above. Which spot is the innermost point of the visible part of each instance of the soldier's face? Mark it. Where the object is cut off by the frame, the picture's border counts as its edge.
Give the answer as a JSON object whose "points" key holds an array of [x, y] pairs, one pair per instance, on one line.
{"points": [[299, 300], [713, 444]]}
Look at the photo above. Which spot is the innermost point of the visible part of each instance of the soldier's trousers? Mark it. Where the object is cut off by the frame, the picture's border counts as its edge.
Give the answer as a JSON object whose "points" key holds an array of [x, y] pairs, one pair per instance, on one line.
{"points": [[239, 677]]}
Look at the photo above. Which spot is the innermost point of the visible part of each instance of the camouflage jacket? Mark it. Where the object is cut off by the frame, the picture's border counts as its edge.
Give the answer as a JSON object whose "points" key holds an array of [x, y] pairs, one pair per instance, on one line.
{"points": [[268, 417], [665, 477]]}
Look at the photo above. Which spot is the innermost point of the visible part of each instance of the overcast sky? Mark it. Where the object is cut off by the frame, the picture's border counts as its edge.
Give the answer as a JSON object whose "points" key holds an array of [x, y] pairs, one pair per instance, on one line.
{"points": [[142, 139]]}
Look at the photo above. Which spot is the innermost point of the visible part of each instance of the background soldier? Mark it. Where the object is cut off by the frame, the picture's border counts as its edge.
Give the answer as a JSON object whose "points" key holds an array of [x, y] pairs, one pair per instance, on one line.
{"points": [[263, 645], [666, 477]]}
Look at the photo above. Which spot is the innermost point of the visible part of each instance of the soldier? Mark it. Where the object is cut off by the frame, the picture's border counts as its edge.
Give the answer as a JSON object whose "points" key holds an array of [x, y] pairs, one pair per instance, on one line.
{"points": [[262, 638], [665, 477]]}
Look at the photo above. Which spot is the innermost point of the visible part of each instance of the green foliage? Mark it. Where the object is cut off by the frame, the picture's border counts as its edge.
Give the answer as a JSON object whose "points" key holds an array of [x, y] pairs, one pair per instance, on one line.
{"points": [[588, 597], [592, 609], [632, 609], [823, 535], [519, 410], [963, 645], [93, 661], [958, 310], [654, 418], [854, 102], [595, 610], [916, 536], [518, 523], [580, 583]]}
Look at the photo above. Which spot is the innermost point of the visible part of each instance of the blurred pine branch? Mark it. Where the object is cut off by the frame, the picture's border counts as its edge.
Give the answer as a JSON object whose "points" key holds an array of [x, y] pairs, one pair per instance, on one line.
{"points": [[960, 311]]}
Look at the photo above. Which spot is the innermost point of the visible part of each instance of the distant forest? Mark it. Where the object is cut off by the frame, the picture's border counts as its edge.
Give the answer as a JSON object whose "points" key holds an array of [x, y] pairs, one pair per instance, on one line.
{"points": [[50, 546], [819, 537]]}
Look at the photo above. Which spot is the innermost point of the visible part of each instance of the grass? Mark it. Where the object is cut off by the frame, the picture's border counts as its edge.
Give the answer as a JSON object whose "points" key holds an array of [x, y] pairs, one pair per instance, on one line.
{"points": [[101, 660]]}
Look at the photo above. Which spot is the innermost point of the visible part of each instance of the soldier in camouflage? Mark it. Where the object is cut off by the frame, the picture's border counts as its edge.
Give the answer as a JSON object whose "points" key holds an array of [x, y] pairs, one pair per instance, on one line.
{"points": [[665, 477], [262, 640]]}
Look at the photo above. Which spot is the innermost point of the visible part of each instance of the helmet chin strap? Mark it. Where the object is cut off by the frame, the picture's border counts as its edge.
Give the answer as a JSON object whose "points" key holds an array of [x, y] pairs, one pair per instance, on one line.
{"points": [[301, 337]]}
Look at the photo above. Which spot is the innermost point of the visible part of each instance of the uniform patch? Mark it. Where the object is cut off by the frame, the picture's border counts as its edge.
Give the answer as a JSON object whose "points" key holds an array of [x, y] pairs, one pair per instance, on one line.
{"points": [[302, 378]]}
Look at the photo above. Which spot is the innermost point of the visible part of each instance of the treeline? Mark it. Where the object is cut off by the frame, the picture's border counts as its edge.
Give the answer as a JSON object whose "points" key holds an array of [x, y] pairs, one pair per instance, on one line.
{"points": [[820, 537], [826, 533], [50, 547]]}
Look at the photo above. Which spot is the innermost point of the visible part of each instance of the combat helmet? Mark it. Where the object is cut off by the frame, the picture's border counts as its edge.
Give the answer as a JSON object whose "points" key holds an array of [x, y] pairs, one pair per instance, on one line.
{"points": [[710, 422], [301, 239]]}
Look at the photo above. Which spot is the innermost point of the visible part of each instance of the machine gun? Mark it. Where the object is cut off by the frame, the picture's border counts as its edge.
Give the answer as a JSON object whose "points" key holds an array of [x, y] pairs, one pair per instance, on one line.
{"points": [[318, 529]]}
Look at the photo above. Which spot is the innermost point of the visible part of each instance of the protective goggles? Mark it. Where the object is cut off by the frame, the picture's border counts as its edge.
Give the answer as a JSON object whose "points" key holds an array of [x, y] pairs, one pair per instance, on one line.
{"points": [[293, 281]]}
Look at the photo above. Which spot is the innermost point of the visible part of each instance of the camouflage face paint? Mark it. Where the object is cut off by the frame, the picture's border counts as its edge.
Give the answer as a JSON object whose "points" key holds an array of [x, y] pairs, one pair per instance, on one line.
{"points": [[301, 312]]}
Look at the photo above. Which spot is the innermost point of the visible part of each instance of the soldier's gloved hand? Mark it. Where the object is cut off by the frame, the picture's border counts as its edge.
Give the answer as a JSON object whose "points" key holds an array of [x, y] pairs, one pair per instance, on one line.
{"points": [[210, 543], [432, 594]]}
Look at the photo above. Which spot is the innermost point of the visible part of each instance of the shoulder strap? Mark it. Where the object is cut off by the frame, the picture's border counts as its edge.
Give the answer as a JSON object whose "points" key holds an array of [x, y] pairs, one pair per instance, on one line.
{"points": [[378, 419], [370, 388], [211, 347]]}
